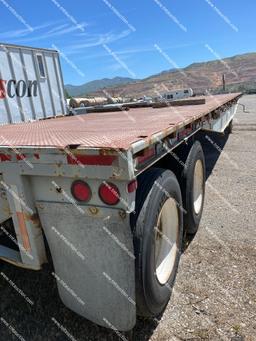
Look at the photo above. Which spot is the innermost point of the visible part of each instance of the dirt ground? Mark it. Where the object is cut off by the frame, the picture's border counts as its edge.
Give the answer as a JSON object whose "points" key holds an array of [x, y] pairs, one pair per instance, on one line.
{"points": [[215, 293]]}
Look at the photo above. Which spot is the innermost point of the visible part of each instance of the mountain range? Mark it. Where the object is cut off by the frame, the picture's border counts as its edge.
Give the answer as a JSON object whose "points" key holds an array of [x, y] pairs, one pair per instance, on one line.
{"points": [[239, 71], [90, 87]]}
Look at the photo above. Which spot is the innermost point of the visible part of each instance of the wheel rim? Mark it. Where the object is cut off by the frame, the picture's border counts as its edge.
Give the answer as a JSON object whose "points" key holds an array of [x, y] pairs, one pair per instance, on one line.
{"points": [[166, 240], [198, 186]]}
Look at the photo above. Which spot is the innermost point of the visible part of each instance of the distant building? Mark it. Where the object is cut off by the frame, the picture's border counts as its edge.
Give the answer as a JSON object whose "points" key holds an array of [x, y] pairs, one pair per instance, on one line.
{"points": [[178, 94]]}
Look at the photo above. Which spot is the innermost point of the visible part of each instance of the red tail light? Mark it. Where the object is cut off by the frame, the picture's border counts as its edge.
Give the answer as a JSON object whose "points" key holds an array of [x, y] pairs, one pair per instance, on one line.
{"points": [[81, 191], [109, 193]]}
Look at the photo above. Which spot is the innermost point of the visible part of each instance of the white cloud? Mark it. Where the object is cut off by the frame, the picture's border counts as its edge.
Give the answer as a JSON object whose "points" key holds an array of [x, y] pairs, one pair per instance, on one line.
{"points": [[23, 32], [97, 40], [61, 30], [137, 50], [57, 31], [57, 28], [152, 48], [41, 32]]}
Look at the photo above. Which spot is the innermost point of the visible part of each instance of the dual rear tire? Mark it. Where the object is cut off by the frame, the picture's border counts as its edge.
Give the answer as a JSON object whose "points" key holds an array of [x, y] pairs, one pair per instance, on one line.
{"points": [[193, 188], [163, 208], [158, 233]]}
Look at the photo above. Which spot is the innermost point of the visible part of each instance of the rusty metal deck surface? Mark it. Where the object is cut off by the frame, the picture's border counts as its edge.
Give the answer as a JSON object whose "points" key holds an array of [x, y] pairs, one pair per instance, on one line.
{"points": [[106, 130]]}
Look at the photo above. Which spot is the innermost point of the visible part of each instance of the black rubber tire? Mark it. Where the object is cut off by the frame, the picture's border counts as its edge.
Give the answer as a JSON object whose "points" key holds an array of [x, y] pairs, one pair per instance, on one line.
{"points": [[229, 128], [154, 188], [190, 218]]}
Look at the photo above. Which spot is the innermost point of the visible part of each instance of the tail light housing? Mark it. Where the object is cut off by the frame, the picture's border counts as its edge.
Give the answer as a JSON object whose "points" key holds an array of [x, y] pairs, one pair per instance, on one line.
{"points": [[81, 191], [109, 193]]}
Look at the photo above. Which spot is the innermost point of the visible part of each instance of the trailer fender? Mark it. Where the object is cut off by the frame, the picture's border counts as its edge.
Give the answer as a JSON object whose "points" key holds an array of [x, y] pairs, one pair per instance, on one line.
{"points": [[93, 259]]}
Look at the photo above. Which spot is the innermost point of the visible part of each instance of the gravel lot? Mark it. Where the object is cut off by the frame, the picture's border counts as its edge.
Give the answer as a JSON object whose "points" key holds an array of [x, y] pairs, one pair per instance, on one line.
{"points": [[215, 293]]}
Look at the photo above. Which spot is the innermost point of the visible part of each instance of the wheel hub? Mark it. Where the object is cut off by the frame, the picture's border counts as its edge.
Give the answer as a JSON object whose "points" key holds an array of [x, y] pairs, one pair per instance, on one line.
{"points": [[198, 186], [166, 240]]}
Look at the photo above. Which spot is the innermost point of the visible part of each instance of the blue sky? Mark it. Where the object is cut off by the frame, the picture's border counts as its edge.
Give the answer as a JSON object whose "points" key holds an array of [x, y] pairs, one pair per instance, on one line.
{"points": [[129, 38]]}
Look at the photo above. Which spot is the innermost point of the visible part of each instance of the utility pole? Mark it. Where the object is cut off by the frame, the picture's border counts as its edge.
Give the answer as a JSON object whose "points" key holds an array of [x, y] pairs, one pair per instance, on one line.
{"points": [[224, 82]]}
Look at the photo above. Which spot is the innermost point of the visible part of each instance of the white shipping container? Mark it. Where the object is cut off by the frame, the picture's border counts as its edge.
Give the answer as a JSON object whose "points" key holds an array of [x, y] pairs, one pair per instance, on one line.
{"points": [[31, 84]]}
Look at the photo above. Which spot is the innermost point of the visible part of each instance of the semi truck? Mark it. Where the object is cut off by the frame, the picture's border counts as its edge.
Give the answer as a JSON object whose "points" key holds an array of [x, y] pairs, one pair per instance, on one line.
{"points": [[106, 197]]}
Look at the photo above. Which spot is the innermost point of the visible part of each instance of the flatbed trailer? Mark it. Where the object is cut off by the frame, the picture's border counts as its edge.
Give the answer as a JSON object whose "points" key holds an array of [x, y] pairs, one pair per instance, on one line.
{"points": [[113, 194]]}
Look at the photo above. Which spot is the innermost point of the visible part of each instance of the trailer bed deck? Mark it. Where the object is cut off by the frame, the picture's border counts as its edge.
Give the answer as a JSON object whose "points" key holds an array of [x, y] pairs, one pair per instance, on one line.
{"points": [[118, 129]]}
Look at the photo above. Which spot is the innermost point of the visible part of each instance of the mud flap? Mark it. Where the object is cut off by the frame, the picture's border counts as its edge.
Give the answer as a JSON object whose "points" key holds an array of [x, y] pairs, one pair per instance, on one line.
{"points": [[94, 262]]}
